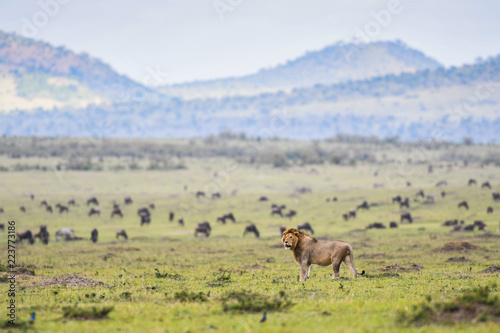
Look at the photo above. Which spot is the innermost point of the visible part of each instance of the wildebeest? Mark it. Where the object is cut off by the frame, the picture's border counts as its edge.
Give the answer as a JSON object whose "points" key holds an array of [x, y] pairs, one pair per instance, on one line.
{"points": [[486, 184], [472, 181], [22, 209], [128, 201], [345, 216], [152, 206], [393, 225], [496, 196], [44, 203], [376, 225], [420, 193], [27, 235], [1, 210], [397, 198], [404, 203], [441, 183], [93, 200], [171, 216], [463, 204], [72, 202], [364, 205], [121, 232], [450, 223], [228, 216], [66, 233], [49, 209], [443, 194], [277, 210], [93, 235], [63, 209], [2, 226], [480, 225], [352, 213], [290, 214], [489, 210], [263, 198], [203, 228], [181, 221], [469, 227], [117, 211], [43, 234], [94, 211], [430, 198], [251, 228], [32, 196], [145, 219], [305, 226], [116, 205], [406, 216], [143, 210], [282, 229], [200, 194], [216, 195]]}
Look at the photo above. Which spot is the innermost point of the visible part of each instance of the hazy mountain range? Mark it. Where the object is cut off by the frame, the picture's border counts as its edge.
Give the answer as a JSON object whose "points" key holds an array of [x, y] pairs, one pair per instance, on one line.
{"points": [[382, 88]]}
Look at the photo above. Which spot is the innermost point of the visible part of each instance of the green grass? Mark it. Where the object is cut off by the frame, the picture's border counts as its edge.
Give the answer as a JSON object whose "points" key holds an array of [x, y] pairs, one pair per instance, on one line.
{"points": [[164, 279]]}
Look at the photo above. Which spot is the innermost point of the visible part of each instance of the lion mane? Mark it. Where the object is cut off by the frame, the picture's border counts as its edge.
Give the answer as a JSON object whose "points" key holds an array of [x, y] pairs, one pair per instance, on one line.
{"points": [[308, 250]]}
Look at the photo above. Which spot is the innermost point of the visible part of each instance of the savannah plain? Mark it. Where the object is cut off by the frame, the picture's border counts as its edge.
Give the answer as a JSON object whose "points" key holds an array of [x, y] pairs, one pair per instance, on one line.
{"points": [[163, 279]]}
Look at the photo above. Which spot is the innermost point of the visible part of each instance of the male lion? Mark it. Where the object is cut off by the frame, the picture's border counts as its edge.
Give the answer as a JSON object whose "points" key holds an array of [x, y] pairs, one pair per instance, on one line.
{"points": [[308, 250]]}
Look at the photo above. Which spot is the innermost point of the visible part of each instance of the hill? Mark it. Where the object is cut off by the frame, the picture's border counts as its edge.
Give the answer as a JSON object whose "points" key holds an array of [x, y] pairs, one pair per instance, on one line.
{"points": [[36, 75], [337, 63]]}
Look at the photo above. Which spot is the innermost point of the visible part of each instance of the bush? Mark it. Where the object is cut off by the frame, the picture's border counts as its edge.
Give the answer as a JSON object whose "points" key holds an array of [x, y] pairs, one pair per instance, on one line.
{"points": [[244, 301], [92, 313], [189, 296]]}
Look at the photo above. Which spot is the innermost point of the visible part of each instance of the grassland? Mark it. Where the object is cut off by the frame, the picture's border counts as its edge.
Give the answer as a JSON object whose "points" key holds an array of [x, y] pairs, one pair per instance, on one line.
{"points": [[123, 274]]}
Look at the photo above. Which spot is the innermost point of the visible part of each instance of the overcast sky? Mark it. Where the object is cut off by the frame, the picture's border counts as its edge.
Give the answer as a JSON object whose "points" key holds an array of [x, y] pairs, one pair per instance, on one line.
{"points": [[201, 39]]}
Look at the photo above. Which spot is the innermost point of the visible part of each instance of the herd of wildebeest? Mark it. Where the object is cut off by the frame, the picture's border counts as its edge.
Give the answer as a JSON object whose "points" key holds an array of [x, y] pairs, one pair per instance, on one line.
{"points": [[204, 228]]}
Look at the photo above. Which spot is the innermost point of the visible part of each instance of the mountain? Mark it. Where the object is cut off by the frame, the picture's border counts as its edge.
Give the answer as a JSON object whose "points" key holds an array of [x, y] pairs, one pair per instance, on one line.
{"points": [[36, 75], [337, 63], [85, 97]]}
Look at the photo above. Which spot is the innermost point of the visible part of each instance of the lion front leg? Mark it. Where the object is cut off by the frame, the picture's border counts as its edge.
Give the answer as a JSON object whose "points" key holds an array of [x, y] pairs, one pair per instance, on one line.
{"points": [[304, 271]]}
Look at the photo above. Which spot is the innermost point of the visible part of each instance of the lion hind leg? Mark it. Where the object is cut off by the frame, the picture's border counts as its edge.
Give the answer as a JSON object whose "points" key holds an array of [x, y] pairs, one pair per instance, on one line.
{"points": [[348, 263], [336, 268]]}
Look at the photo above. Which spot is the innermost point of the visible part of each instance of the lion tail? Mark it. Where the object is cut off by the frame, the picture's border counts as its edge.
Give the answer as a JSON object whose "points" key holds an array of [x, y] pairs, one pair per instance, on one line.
{"points": [[351, 261]]}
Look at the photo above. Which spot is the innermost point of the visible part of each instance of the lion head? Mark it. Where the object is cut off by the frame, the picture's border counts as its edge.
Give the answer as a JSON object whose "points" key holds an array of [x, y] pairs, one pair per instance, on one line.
{"points": [[291, 238]]}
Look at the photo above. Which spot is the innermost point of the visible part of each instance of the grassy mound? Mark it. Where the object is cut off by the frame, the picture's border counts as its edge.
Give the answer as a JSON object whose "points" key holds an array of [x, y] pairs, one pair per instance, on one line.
{"points": [[90, 313], [476, 305], [244, 301]]}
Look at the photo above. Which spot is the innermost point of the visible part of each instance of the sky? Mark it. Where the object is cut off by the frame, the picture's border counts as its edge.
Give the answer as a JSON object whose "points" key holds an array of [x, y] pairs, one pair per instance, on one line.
{"points": [[187, 40]]}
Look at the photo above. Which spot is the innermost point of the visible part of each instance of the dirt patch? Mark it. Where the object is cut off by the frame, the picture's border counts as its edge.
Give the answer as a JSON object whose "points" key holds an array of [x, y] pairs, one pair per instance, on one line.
{"points": [[492, 269], [125, 249], [168, 239], [24, 270], [398, 268], [371, 256], [488, 235], [457, 259], [456, 246], [256, 266], [70, 280]]}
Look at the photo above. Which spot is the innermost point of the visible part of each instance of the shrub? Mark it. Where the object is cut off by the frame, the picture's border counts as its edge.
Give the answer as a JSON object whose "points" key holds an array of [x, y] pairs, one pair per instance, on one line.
{"points": [[244, 301], [90, 313]]}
